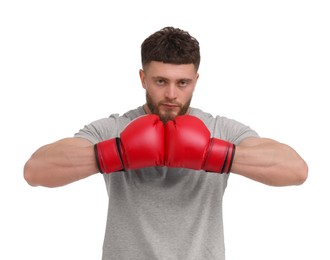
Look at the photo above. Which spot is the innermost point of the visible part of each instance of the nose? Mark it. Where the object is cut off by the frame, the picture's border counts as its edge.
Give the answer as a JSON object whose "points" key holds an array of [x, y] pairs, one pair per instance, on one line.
{"points": [[171, 92]]}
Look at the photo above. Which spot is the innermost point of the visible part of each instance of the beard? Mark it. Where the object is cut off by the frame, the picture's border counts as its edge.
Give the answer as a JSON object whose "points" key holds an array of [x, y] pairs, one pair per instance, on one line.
{"points": [[167, 114]]}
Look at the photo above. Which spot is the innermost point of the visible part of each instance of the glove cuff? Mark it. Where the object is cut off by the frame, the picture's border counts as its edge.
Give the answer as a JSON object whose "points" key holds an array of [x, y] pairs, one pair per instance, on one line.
{"points": [[220, 156], [108, 156]]}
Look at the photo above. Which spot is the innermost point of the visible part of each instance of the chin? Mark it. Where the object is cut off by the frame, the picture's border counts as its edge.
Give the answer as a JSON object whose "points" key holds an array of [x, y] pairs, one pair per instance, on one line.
{"points": [[164, 117]]}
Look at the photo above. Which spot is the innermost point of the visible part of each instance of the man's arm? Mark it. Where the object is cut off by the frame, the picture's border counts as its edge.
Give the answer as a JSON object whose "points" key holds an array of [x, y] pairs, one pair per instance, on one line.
{"points": [[269, 162], [61, 163]]}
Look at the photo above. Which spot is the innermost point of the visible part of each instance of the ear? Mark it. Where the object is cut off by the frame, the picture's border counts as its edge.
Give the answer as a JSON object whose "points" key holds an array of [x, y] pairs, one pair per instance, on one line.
{"points": [[197, 76], [142, 78]]}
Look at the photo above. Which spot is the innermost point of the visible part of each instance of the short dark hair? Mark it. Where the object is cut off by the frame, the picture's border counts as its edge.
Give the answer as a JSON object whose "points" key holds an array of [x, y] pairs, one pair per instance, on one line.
{"points": [[171, 45]]}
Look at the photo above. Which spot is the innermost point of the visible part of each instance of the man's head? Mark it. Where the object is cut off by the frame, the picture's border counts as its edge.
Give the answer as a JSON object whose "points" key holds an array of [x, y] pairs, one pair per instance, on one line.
{"points": [[170, 62], [170, 45]]}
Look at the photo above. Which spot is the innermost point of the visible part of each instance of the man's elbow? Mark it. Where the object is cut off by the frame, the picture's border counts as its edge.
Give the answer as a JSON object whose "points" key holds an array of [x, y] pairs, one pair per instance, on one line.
{"points": [[28, 174], [302, 173]]}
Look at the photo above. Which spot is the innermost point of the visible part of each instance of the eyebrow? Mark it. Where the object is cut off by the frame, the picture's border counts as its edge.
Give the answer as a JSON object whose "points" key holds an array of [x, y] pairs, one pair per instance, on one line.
{"points": [[166, 79]]}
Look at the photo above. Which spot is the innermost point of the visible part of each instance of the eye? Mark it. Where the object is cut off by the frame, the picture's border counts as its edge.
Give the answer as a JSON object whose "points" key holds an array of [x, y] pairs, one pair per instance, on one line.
{"points": [[183, 83], [160, 82]]}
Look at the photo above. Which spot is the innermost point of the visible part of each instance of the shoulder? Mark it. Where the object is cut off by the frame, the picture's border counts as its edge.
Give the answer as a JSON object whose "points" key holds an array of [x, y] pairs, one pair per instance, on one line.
{"points": [[210, 120], [224, 127], [206, 117], [108, 127]]}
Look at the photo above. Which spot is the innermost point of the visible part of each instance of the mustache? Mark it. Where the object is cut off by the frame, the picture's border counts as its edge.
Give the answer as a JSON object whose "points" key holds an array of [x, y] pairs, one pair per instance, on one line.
{"points": [[169, 102]]}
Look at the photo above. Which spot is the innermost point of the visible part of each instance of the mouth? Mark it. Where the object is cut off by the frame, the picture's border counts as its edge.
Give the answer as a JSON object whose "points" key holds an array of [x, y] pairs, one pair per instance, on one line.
{"points": [[169, 105]]}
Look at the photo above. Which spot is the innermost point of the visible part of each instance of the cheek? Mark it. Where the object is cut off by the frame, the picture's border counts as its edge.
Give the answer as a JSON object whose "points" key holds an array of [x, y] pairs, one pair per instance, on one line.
{"points": [[155, 94], [187, 95]]}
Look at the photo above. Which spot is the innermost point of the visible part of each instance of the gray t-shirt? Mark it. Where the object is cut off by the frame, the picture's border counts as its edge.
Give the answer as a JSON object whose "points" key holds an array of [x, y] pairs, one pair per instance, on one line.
{"points": [[165, 213]]}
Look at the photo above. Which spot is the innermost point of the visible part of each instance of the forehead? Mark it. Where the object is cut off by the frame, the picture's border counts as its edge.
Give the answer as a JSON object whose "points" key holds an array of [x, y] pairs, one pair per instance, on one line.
{"points": [[167, 70]]}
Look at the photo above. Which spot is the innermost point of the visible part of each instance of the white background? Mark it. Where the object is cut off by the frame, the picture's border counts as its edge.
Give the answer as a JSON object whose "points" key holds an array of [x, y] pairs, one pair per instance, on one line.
{"points": [[66, 63]]}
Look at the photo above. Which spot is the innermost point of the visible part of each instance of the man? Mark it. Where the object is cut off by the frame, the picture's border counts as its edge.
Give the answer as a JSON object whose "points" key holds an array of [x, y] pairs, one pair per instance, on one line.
{"points": [[165, 163]]}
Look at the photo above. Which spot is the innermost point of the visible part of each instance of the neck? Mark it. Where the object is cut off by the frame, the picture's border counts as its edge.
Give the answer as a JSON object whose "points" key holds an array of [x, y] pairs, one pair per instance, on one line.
{"points": [[146, 109]]}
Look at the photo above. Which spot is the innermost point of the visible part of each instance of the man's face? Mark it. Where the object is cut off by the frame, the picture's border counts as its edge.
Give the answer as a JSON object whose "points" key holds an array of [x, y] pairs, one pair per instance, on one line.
{"points": [[169, 88]]}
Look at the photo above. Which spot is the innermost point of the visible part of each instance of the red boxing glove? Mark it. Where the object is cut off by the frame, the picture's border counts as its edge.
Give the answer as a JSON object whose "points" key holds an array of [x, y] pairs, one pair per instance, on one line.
{"points": [[141, 144], [188, 145]]}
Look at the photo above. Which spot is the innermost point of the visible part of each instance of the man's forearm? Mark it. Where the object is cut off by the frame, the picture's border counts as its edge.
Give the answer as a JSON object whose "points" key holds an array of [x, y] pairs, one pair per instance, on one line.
{"points": [[60, 163], [269, 162]]}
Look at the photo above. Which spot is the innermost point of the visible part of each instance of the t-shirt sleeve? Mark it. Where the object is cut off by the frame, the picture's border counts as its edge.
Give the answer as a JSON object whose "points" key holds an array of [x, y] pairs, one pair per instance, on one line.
{"points": [[233, 131], [100, 130]]}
